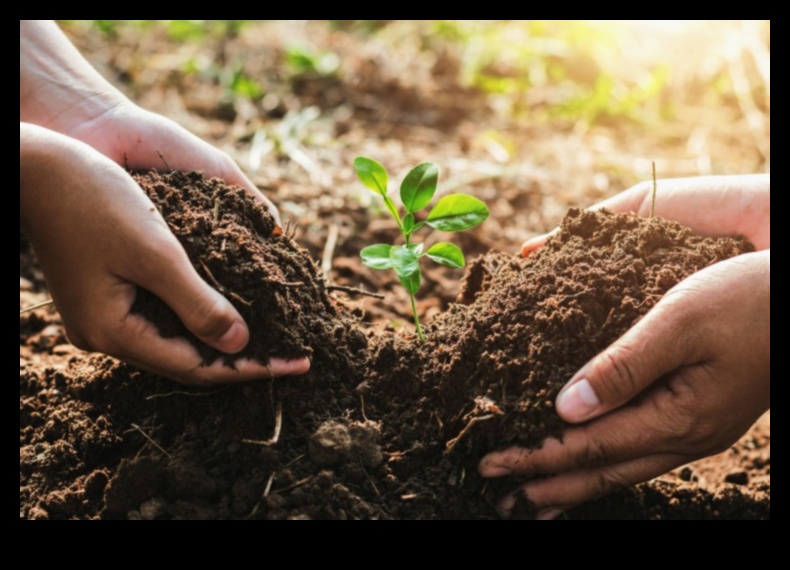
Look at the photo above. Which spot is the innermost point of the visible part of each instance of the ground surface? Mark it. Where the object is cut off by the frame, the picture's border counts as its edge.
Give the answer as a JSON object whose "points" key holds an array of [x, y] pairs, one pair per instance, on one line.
{"points": [[366, 434]]}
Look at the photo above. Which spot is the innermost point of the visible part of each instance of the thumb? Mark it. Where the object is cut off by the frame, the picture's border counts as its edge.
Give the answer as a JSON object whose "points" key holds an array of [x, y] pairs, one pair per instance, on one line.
{"points": [[204, 311], [658, 344]]}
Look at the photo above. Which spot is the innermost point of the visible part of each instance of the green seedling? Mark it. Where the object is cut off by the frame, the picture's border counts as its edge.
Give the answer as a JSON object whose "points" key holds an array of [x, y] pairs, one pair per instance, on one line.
{"points": [[452, 213]]}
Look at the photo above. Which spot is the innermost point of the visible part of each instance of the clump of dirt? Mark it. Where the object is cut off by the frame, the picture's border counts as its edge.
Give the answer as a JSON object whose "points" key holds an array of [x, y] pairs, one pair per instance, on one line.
{"points": [[236, 246], [381, 427]]}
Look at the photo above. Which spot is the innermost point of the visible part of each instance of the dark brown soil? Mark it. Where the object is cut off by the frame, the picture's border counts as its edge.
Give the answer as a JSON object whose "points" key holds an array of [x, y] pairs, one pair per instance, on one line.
{"points": [[382, 427]]}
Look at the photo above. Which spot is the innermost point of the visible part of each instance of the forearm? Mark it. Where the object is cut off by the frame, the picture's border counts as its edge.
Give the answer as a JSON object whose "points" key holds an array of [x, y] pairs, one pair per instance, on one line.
{"points": [[58, 88]]}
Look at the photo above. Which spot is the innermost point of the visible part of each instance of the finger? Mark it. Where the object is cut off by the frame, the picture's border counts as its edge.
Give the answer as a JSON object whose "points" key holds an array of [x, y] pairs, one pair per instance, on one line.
{"points": [[138, 342], [165, 270], [661, 342], [617, 437], [557, 494], [535, 243]]}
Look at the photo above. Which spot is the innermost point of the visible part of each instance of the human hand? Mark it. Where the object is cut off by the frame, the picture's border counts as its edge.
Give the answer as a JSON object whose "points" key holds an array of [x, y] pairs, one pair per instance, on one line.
{"points": [[98, 237], [683, 383], [60, 90], [138, 139], [709, 205]]}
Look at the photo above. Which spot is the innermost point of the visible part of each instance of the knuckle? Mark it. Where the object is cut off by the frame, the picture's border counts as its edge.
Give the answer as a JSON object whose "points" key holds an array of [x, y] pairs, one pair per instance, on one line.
{"points": [[617, 379], [594, 453], [606, 481]]}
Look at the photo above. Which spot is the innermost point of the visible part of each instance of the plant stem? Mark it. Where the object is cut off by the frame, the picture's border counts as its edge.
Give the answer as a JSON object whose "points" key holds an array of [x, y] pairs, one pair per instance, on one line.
{"points": [[416, 318]]}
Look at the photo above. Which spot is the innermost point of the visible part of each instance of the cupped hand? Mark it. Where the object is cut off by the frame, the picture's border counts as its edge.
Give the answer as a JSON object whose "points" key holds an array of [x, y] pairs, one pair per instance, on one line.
{"points": [[685, 382], [98, 237], [138, 139]]}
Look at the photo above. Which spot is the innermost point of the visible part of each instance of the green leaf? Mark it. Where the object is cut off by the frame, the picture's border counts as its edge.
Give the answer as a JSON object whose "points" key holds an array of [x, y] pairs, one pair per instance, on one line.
{"points": [[416, 248], [447, 254], [407, 266], [408, 223], [377, 256], [418, 187], [457, 212], [372, 174]]}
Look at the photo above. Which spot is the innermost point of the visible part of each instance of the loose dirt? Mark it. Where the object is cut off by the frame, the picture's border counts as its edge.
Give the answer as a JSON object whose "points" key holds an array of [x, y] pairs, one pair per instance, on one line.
{"points": [[382, 427]]}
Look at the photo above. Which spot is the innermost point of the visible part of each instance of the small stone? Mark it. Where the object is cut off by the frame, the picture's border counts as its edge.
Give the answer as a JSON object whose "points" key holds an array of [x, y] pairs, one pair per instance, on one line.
{"points": [[25, 284], [330, 444], [153, 509]]}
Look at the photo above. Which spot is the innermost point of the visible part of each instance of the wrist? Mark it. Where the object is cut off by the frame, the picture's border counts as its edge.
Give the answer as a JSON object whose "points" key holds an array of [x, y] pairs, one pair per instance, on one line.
{"points": [[58, 88]]}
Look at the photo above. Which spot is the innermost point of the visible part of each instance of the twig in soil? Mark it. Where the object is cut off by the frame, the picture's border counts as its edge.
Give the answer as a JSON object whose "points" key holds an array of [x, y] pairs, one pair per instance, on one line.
{"points": [[151, 440], [268, 486], [162, 158], [36, 306], [294, 460], [329, 251], [216, 210], [354, 291], [372, 483], [453, 442], [278, 425], [655, 187], [295, 485], [265, 494], [239, 298], [210, 275], [181, 393], [362, 407], [284, 283]]}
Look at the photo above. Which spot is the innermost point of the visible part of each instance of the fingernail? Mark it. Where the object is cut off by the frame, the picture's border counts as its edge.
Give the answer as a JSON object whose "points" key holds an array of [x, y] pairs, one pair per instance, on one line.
{"points": [[494, 471], [234, 339], [548, 515], [578, 401]]}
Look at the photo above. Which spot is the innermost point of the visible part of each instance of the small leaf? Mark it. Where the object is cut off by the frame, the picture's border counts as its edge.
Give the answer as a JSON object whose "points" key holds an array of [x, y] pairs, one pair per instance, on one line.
{"points": [[457, 212], [372, 174], [447, 254], [418, 187], [407, 266], [377, 256]]}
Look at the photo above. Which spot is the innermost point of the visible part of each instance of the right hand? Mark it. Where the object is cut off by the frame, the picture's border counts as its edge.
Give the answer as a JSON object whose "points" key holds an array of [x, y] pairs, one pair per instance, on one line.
{"points": [[98, 237], [709, 205]]}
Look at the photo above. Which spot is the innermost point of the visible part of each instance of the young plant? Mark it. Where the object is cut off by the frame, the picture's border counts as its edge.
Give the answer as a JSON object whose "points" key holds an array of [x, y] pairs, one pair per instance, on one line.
{"points": [[452, 213]]}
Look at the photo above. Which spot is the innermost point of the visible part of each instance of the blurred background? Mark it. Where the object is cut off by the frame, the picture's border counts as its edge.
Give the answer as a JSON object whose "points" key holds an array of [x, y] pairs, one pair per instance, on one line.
{"points": [[530, 115]]}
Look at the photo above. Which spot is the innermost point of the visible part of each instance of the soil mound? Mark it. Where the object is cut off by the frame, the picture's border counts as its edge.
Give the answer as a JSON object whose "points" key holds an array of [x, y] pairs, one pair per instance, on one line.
{"points": [[382, 427]]}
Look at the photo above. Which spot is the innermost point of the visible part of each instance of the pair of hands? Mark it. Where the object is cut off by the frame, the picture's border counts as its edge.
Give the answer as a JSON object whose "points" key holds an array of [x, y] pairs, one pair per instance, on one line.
{"points": [[685, 382], [96, 233]]}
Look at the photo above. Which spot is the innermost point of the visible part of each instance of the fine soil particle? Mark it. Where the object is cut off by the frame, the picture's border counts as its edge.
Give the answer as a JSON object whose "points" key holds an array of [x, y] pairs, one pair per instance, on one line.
{"points": [[381, 427]]}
